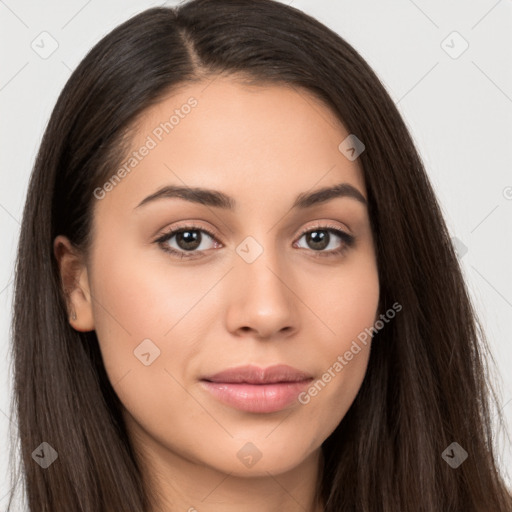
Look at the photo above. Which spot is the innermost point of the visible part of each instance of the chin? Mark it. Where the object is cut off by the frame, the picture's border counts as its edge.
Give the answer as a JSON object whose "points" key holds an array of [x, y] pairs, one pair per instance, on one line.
{"points": [[253, 459]]}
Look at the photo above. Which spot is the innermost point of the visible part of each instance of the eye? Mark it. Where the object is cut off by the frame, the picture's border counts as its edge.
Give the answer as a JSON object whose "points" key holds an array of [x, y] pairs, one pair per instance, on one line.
{"points": [[190, 239], [321, 237]]}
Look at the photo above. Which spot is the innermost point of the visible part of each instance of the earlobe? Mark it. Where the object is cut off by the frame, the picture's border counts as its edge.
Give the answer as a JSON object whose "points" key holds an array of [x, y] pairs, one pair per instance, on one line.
{"points": [[75, 284], [81, 318]]}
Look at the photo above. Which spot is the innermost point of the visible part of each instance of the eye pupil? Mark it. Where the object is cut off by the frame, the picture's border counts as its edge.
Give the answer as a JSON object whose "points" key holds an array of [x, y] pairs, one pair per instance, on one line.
{"points": [[188, 240], [318, 239]]}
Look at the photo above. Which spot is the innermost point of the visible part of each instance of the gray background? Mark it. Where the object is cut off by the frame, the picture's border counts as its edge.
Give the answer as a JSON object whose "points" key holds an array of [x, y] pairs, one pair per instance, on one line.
{"points": [[457, 105]]}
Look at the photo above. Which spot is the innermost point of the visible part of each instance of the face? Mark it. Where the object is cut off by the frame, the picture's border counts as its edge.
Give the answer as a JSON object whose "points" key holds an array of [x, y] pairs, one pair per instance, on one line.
{"points": [[255, 278]]}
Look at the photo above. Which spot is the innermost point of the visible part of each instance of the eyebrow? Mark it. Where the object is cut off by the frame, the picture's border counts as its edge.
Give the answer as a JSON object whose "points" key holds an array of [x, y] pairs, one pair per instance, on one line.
{"points": [[217, 199]]}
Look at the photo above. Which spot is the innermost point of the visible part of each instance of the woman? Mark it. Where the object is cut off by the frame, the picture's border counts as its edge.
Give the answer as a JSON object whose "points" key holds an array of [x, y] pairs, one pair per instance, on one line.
{"points": [[235, 288]]}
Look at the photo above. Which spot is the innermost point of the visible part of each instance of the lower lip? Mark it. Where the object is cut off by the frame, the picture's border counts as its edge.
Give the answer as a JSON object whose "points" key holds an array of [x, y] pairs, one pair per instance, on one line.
{"points": [[259, 398]]}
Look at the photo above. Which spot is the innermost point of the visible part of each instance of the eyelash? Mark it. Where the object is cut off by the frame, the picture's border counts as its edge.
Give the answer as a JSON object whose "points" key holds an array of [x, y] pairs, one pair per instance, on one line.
{"points": [[347, 240]]}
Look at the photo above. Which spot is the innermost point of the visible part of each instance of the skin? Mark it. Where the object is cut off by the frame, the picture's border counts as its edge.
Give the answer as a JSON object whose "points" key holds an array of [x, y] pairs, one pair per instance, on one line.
{"points": [[262, 146]]}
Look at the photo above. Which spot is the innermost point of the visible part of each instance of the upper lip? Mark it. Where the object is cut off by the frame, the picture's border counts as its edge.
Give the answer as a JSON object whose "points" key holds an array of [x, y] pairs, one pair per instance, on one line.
{"points": [[254, 375]]}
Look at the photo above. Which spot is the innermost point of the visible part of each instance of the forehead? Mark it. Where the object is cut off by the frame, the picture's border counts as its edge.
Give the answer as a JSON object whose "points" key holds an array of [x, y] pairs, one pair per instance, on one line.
{"points": [[254, 142]]}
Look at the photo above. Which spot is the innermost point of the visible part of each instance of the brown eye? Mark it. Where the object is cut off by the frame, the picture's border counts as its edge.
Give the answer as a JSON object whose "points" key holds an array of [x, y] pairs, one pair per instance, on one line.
{"points": [[327, 240], [189, 241], [318, 240]]}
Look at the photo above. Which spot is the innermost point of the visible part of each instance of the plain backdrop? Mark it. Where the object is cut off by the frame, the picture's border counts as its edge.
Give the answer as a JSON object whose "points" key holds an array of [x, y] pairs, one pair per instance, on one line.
{"points": [[447, 66]]}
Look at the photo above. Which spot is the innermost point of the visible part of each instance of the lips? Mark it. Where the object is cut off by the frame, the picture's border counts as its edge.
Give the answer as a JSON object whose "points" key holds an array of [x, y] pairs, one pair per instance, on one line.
{"points": [[257, 390], [254, 375]]}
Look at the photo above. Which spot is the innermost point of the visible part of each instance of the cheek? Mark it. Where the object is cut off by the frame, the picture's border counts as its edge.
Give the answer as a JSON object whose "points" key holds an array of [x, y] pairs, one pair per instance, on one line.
{"points": [[136, 311], [141, 307], [329, 397], [349, 307], [346, 301], [139, 316], [335, 387]]}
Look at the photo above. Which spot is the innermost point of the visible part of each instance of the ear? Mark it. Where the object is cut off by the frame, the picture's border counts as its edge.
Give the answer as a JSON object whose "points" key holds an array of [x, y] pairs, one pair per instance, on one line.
{"points": [[75, 284]]}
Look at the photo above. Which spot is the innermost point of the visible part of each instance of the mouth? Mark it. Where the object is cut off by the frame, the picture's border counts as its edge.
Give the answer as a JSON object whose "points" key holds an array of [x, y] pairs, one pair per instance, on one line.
{"points": [[257, 390], [254, 375]]}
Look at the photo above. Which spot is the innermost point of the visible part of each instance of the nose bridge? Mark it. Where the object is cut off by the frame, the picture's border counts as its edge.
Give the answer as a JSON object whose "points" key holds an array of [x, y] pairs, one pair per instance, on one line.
{"points": [[260, 258], [261, 298]]}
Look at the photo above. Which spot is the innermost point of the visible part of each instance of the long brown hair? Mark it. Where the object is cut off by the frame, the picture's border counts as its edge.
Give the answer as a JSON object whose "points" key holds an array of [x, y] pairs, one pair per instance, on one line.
{"points": [[427, 383]]}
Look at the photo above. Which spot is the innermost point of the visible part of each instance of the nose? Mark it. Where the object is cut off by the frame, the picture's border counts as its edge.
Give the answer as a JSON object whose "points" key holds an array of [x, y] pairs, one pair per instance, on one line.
{"points": [[262, 302]]}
